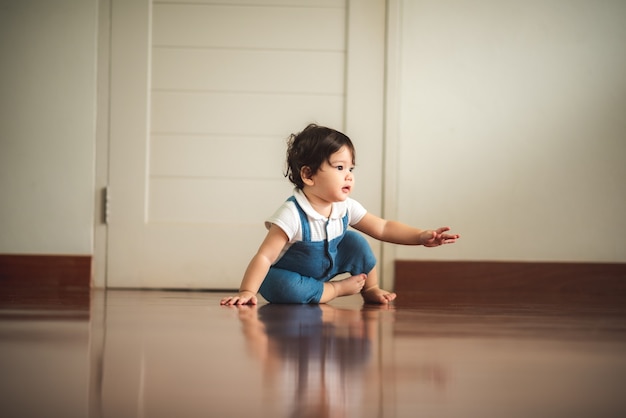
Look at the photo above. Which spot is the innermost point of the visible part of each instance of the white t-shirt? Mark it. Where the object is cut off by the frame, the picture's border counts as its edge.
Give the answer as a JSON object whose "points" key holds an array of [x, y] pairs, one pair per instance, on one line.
{"points": [[287, 218]]}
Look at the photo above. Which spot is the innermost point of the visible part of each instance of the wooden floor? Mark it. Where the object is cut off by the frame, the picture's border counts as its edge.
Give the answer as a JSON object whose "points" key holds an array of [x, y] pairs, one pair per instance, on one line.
{"points": [[180, 354]]}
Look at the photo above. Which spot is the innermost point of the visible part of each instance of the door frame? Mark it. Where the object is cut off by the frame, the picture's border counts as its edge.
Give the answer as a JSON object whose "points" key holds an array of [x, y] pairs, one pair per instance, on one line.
{"points": [[366, 105], [100, 235]]}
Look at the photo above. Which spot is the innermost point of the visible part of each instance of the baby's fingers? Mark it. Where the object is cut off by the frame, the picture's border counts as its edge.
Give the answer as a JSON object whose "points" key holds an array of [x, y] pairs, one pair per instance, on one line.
{"points": [[442, 230], [247, 300], [449, 239], [230, 300]]}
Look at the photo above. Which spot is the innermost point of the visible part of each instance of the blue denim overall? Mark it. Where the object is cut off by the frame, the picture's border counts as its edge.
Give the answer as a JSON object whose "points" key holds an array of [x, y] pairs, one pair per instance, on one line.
{"points": [[300, 274]]}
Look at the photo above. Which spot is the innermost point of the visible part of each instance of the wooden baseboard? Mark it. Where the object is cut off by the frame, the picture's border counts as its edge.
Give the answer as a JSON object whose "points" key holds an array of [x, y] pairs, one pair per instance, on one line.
{"points": [[45, 281], [531, 281], [45, 270]]}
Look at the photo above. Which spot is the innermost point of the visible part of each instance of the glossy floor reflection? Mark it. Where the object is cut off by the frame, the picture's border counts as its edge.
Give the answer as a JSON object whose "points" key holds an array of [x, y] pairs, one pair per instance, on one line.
{"points": [[180, 354]]}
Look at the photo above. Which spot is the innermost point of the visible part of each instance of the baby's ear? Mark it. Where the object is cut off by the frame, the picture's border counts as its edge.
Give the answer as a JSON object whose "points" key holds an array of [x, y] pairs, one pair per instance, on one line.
{"points": [[305, 175]]}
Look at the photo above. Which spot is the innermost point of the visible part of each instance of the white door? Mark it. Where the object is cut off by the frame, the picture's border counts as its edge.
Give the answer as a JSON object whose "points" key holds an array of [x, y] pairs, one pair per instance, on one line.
{"points": [[202, 98]]}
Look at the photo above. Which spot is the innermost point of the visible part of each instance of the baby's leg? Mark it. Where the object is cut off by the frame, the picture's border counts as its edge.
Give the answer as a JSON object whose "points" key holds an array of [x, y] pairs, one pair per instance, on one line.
{"points": [[350, 286], [285, 286], [372, 293], [355, 255]]}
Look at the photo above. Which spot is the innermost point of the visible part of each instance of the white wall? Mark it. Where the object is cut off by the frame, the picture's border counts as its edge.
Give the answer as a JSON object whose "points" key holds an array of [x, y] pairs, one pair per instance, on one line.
{"points": [[512, 127], [47, 125]]}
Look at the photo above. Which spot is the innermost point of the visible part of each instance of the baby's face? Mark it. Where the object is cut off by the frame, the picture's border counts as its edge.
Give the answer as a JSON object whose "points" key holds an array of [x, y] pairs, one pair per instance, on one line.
{"points": [[334, 180]]}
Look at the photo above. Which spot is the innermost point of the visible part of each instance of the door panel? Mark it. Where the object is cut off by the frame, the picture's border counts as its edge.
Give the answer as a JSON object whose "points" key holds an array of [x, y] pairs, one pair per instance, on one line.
{"points": [[231, 114], [285, 71], [262, 26], [201, 200]]}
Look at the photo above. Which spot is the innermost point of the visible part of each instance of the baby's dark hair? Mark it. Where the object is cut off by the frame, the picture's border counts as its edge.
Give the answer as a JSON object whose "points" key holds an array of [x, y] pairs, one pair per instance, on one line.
{"points": [[310, 148]]}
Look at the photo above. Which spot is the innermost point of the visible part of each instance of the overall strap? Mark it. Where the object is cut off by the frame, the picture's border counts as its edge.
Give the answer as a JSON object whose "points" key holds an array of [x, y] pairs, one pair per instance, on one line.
{"points": [[304, 221], [345, 222]]}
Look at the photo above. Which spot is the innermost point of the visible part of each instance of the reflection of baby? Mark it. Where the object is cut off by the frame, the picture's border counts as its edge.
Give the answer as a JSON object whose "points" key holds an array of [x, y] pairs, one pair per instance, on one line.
{"points": [[324, 356], [322, 349]]}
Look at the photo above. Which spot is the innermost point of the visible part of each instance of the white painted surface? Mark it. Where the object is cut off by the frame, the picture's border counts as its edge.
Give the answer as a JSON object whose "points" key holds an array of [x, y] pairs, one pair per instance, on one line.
{"points": [[47, 125], [511, 128]]}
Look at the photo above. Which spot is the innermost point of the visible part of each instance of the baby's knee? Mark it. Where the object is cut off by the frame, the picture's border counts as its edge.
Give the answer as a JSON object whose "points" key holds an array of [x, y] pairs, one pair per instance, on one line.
{"points": [[355, 241], [357, 253]]}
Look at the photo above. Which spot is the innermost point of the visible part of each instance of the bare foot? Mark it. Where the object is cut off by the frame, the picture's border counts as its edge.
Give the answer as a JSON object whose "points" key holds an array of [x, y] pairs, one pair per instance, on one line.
{"points": [[350, 286], [375, 294]]}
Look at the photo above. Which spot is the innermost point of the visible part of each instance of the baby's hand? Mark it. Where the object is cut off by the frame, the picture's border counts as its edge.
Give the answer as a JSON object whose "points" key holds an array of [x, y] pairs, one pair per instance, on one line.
{"points": [[243, 298], [438, 237]]}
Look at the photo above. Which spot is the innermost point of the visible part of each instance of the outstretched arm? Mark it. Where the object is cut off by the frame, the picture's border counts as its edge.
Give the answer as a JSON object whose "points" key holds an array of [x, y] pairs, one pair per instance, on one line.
{"points": [[399, 233], [260, 264]]}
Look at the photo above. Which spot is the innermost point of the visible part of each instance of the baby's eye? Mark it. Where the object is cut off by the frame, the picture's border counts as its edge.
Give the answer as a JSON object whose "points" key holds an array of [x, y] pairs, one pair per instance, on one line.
{"points": [[342, 167]]}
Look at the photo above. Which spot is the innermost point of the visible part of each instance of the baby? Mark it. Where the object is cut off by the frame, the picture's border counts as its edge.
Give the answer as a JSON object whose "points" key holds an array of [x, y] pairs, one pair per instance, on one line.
{"points": [[308, 241]]}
